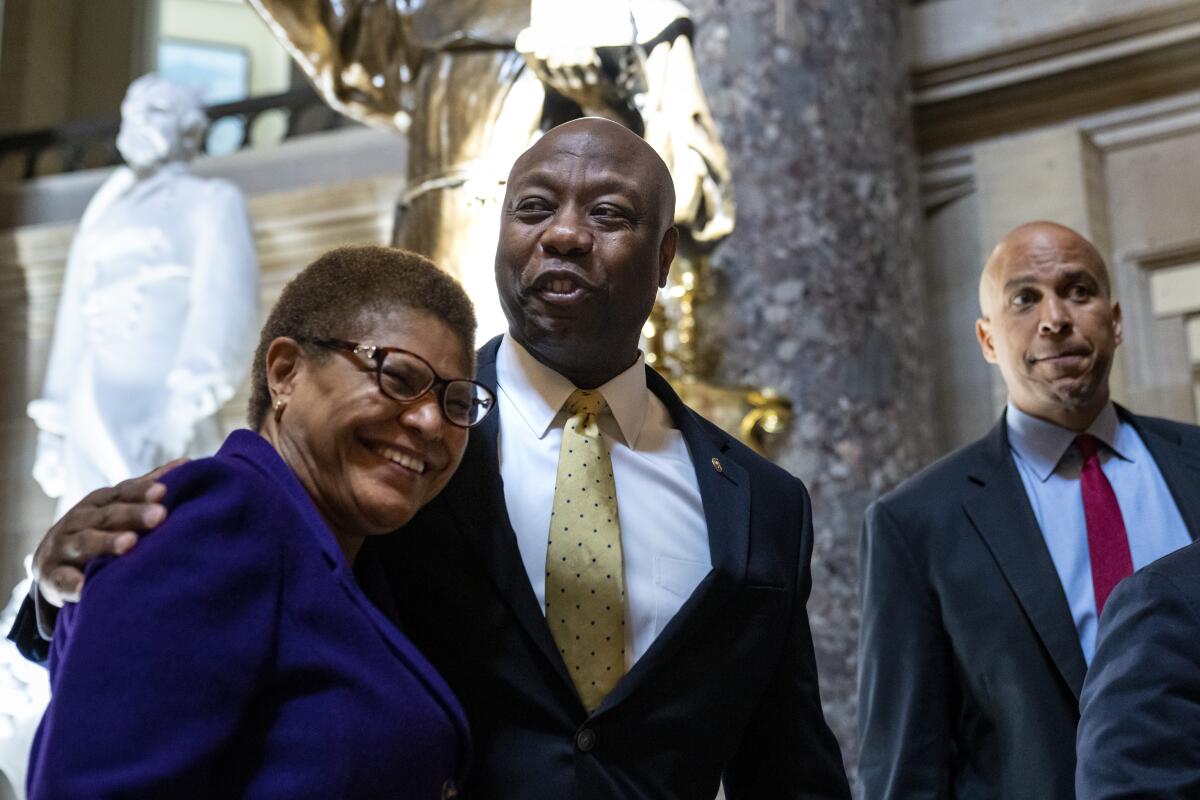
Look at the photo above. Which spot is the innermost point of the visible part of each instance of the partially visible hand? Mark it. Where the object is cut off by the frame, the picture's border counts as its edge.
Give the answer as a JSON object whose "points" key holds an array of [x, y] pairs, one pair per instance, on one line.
{"points": [[569, 68], [103, 523]]}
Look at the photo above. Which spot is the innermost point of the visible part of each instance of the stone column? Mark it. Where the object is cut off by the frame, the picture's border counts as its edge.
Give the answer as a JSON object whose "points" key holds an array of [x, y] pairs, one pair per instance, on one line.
{"points": [[822, 291]]}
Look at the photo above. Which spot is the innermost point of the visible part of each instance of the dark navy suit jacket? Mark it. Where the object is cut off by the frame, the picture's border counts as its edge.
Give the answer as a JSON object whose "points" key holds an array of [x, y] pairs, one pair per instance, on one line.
{"points": [[728, 689], [970, 663], [231, 654], [1139, 730]]}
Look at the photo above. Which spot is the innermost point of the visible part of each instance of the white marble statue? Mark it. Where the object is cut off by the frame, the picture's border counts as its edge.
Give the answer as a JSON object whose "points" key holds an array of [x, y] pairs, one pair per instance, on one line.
{"points": [[154, 332], [158, 314], [24, 693]]}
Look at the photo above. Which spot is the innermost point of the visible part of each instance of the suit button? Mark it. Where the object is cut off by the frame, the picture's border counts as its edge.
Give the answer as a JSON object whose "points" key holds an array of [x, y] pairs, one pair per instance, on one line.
{"points": [[585, 740], [449, 790]]}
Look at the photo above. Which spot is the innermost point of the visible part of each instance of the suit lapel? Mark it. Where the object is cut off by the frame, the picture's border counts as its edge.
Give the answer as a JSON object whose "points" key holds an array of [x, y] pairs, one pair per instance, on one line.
{"points": [[478, 507], [725, 494], [724, 484], [1180, 467], [1001, 513]]}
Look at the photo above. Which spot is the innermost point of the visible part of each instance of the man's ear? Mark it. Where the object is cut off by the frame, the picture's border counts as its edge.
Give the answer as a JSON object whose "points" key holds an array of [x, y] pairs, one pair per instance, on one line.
{"points": [[1116, 315], [285, 360], [983, 332], [666, 254]]}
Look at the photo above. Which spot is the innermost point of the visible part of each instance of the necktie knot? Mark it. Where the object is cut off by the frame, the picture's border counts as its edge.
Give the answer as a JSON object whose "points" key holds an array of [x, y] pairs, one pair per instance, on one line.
{"points": [[1088, 445], [586, 402]]}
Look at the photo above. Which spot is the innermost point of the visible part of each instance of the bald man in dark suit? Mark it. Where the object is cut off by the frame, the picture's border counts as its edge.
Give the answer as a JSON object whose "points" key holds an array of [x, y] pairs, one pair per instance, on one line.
{"points": [[983, 576]]}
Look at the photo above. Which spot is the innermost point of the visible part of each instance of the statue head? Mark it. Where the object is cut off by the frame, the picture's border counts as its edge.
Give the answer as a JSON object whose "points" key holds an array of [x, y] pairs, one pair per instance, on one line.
{"points": [[160, 122]]}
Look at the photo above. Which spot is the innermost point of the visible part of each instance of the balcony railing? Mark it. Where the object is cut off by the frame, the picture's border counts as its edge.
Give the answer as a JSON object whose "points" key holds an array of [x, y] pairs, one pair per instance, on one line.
{"points": [[88, 144]]}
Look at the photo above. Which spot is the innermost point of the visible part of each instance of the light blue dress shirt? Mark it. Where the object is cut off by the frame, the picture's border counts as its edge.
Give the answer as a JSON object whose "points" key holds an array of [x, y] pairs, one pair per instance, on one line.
{"points": [[1049, 465]]}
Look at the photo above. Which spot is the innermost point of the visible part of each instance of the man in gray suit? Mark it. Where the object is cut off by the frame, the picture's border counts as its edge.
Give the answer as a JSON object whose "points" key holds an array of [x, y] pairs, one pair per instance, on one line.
{"points": [[984, 575]]}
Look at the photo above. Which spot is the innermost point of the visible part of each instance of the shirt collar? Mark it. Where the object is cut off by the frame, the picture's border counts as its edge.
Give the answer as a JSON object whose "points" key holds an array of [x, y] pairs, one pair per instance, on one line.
{"points": [[1042, 444], [538, 393]]}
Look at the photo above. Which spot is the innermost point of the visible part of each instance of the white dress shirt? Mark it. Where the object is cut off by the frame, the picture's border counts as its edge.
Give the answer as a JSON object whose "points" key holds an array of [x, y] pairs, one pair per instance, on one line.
{"points": [[664, 537]]}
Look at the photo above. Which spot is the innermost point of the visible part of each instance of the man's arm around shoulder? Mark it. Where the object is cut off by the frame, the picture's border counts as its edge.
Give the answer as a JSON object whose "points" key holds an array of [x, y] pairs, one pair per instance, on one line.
{"points": [[104, 523]]}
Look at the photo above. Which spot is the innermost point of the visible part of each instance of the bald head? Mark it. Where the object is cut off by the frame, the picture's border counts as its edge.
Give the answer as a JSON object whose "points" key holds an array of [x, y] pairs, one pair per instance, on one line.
{"points": [[611, 145], [587, 237], [1032, 245], [1049, 323]]}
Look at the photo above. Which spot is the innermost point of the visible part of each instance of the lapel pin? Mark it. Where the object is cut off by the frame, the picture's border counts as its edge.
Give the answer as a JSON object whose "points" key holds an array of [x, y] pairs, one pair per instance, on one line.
{"points": [[716, 462]]}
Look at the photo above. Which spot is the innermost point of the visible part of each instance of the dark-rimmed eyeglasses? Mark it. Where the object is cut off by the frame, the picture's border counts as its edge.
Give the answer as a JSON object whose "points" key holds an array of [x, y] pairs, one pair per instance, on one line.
{"points": [[405, 376]]}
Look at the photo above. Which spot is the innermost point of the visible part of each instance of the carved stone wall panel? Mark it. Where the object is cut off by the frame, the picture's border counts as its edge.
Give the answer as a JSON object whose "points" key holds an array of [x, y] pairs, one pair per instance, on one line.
{"points": [[983, 69], [969, 36], [1153, 206], [963, 385]]}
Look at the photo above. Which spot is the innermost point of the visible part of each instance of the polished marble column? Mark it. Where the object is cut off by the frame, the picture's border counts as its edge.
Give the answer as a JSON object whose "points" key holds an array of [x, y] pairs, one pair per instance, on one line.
{"points": [[821, 294]]}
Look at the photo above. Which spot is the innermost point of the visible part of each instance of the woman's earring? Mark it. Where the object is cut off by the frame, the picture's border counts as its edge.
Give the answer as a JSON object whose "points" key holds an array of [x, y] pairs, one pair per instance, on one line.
{"points": [[278, 405]]}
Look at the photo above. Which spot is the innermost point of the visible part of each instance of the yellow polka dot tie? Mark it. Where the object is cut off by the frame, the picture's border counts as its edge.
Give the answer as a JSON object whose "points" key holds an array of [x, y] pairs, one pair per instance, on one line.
{"points": [[585, 587]]}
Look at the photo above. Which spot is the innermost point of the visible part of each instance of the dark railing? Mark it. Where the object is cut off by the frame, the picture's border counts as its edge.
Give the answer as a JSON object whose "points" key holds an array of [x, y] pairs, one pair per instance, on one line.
{"points": [[87, 144]]}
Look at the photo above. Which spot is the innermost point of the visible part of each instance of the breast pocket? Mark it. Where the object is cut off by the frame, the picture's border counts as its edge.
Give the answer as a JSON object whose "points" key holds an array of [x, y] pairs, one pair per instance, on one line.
{"points": [[674, 581]]}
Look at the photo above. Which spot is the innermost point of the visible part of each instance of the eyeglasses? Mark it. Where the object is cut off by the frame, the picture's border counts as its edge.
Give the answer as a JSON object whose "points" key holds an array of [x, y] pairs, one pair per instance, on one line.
{"points": [[405, 376]]}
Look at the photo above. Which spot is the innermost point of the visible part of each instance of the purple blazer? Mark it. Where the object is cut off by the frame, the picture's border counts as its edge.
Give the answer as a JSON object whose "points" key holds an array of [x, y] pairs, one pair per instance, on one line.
{"points": [[232, 654]]}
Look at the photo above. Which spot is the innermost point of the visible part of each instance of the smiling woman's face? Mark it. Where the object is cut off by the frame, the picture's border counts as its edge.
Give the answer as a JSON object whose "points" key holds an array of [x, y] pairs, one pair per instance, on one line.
{"points": [[368, 462]]}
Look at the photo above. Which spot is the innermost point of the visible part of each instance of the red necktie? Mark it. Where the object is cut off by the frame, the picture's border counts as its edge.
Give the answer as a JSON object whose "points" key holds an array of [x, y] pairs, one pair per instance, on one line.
{"points": [[1108, 544]]}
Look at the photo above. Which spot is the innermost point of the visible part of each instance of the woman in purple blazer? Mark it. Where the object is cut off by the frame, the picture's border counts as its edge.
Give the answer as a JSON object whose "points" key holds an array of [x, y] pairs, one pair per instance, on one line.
{"points": [[232, 653]]}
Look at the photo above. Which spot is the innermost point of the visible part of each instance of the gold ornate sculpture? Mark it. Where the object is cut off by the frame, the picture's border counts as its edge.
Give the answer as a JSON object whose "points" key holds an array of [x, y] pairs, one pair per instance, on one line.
{"points": [[474, 82], [757, 417]]}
